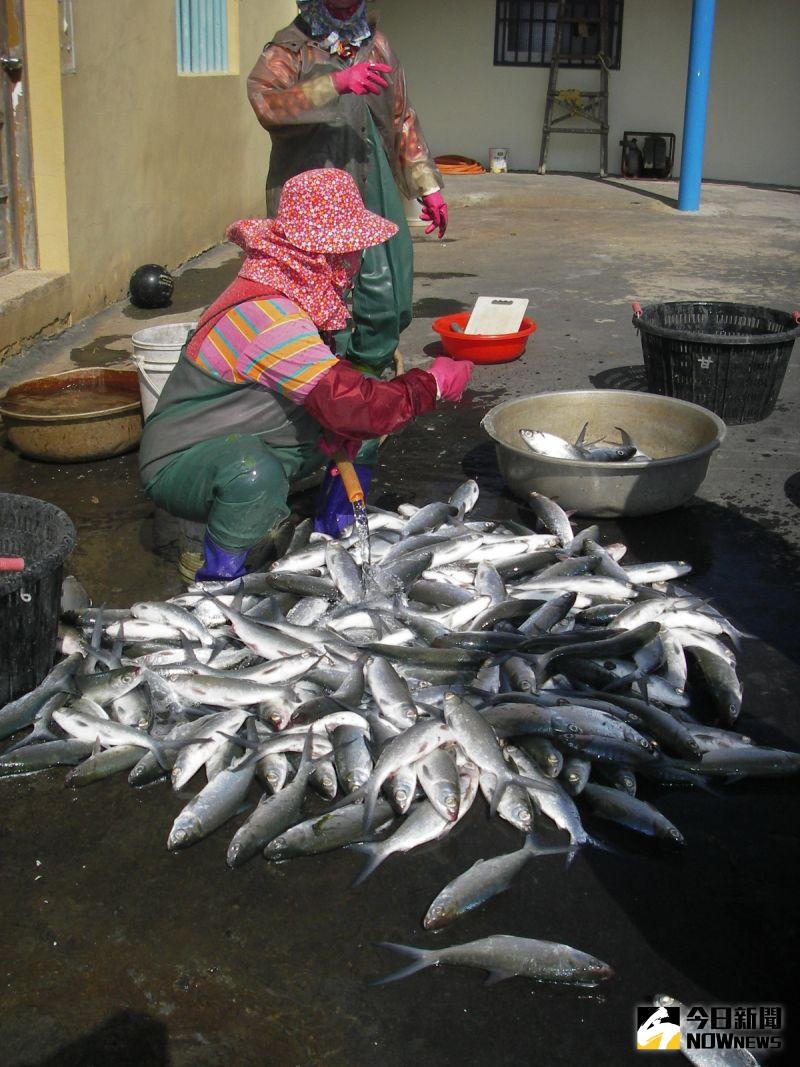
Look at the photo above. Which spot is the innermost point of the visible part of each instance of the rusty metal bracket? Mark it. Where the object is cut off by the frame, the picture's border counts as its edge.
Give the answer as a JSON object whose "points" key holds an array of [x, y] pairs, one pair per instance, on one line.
{"points": [[66, 36]]}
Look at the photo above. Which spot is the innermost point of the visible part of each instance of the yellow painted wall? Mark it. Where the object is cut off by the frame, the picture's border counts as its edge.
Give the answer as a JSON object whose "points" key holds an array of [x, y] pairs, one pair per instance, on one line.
{"points": [[468, 105], [157, 164], [42, 81]]}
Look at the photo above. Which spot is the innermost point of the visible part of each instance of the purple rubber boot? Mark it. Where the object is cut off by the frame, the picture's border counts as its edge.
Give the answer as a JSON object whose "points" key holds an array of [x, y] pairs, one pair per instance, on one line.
{"points": [[334, 510], [220, 563]]}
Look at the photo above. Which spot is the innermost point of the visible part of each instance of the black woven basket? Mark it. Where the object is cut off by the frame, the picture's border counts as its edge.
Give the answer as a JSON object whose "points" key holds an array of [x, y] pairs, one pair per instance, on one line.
{"points": [[29, 601], [731, 358]]}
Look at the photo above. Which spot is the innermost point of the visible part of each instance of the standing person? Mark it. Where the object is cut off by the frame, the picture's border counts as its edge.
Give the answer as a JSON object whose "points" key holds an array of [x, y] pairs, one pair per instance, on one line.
{"points": [[257, 398], [331, 92]]}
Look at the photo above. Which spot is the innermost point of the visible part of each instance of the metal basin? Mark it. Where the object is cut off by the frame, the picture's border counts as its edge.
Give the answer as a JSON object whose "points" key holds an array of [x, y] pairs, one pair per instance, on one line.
{"points": [[678, 435], [75, 416]]}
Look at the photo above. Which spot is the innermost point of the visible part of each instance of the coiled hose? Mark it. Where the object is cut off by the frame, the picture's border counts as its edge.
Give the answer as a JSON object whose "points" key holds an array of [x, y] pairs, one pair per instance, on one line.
{"points": [[458, 165]]}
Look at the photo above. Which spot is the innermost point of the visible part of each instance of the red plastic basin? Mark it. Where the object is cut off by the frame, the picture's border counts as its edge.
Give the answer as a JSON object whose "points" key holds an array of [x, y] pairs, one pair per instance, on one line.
{"points": [[481, 347]]}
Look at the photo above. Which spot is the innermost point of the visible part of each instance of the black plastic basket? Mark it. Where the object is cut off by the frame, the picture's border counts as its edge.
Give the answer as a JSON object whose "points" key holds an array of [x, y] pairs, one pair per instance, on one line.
{"points": [[731, 358], [29, 600]]}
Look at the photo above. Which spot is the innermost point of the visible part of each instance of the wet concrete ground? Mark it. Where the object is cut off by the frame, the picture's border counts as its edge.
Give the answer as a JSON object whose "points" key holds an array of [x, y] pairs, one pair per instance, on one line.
{"points": [[113, 951]]}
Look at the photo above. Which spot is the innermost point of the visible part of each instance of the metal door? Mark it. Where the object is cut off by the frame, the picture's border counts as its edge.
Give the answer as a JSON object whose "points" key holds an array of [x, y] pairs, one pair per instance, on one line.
{"points": [[17, 239]]}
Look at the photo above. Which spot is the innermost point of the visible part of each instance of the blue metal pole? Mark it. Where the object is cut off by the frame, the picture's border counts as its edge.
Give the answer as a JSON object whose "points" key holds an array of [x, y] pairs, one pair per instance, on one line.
{"points": [[694, 120]]}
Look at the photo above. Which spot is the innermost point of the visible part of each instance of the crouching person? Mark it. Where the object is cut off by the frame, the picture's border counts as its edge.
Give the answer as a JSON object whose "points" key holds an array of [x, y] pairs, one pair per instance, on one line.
{"points": [[258, 399]]}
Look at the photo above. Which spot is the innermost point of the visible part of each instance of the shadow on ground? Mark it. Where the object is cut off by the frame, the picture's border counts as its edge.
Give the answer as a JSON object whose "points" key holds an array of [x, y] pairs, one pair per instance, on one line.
{"points": [[125, 1040], [633, 378]]}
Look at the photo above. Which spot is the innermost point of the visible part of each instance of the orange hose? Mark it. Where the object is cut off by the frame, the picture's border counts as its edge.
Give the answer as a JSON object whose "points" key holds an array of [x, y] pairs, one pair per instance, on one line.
{"points": [[458, 165], [349, 478]]}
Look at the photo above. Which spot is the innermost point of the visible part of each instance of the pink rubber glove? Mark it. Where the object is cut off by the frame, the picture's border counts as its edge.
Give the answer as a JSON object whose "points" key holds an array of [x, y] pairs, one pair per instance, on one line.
{"points": [[434, 211], [452, 376], [362, 78]]}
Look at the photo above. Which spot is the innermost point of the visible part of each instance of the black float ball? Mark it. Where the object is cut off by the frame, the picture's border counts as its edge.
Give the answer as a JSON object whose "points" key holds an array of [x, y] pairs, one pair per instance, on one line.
{"points": [[151, 286]]}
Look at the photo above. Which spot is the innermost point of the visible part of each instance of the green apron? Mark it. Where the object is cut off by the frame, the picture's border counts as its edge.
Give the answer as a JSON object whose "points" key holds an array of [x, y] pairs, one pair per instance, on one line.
{"points": [[383, 292]]}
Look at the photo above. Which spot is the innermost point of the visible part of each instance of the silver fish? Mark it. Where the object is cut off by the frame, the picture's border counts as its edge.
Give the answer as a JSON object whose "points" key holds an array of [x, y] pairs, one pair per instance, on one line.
{"points": [[324, 833], [272, 816], [214, 805], [504, 956], [549, 444], [485, 879]]}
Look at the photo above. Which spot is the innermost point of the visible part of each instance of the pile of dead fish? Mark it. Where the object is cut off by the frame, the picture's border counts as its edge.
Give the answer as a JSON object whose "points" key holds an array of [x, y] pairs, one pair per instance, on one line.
{"points": [[467, 659]]}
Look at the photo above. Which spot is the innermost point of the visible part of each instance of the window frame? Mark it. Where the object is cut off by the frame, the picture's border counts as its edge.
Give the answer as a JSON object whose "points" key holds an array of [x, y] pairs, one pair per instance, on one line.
{"points": [[230, 24], [504, 20]]}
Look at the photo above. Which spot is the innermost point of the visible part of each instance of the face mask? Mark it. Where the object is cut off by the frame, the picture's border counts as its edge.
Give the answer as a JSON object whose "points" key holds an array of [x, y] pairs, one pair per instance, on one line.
{"points": [[345, 269]]}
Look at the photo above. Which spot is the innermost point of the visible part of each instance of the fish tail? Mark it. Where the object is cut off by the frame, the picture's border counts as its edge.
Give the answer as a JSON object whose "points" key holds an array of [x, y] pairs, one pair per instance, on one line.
{"points": [[737, 636], [532, 846], [374, 860], [421, 958], [595, 842], [572, 851]]}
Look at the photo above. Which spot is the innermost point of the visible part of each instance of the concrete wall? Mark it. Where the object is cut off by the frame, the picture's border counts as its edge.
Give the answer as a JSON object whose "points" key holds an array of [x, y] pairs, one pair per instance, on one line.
{"points": [[157, 164], [468, 105]]}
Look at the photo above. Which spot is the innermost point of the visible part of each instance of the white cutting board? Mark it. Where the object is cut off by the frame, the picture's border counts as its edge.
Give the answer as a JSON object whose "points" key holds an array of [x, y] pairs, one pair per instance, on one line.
{"points": [[496, 314]]}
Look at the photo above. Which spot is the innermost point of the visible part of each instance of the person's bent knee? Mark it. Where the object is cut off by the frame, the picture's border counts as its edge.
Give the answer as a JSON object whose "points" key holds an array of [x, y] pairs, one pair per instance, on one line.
{"points": [[256, 473]]}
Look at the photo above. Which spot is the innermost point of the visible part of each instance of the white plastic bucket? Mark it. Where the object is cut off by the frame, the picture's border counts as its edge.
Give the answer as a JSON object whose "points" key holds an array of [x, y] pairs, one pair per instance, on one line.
{"points": [[155, 353], [498, 160]]}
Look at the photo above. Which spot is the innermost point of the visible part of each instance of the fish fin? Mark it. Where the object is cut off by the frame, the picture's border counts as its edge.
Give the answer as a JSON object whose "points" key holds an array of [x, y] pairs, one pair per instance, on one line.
{"points": [[90, 661], [159, 751], [188, 649], [625, 438], [581, 436], [349, 798], [374, 860], [623, 682], [226, 611], [96, 747], [305, 758], [498, 976], [641, 682], [528, 783], [421, 958], [432, 710], [370, 800]]}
